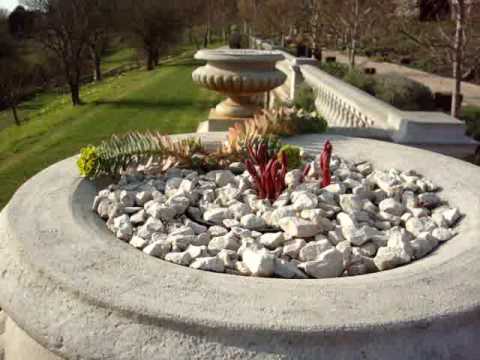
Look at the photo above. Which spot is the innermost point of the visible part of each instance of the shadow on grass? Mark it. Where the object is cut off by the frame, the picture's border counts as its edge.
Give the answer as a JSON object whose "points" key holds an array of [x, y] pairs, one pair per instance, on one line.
{"points": [[160, 104]]}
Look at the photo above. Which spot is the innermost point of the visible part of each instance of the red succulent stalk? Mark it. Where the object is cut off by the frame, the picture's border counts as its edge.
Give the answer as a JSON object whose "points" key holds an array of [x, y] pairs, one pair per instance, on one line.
{"points": [[325, 158], [268, 174]]}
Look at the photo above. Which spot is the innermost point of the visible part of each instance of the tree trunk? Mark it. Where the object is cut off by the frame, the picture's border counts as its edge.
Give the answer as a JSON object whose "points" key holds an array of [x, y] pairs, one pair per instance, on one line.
{"points": [[150, 60], [15, 115], [459, 13], [353, 45], [75, 93], [97, 61]]}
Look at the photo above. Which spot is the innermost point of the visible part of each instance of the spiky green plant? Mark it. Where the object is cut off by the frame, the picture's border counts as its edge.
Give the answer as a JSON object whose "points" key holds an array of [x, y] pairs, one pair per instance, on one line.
{"points": [[293, 154], [118, 153]]}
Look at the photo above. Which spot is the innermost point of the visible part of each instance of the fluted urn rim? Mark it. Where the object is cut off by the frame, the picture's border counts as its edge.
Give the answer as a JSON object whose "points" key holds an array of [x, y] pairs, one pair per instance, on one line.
{"points": [[239, 55]]}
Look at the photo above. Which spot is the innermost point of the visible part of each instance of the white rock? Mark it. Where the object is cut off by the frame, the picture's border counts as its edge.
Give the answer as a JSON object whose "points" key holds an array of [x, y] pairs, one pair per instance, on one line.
{"points": [[399, 238], [359, 236], [346, 221], [336, 236], [440, 220], [242, 269], [391, 206], [187, 185], [369, 249], [297, 227], [336, 189], [123, 228], [351, 203], [346, 249], [143, 197], [217, 215], [429, 200], [288, 270], [179, 204], [158, 249], [281, 213], [272, 240], [197, 251], [181, 242], [217, 230], [443, 234], [197, 228], [293, 178], [253, 222], [179, 258], [161, 211], [292, 247], [314, 249], [419, 212], [183, 230], [423, 245], [259, 263], [222, 242], [103, 208], [303, 200], [239, 210], [419, 225], [127, 198], [451, 216], [389, 184], [228, 257], [328, 265], [365, 169], [213, 264], [231, 223], [202, 239], [409, 200], [139, 218], [391, 257], [138, 242], [224, 177]]}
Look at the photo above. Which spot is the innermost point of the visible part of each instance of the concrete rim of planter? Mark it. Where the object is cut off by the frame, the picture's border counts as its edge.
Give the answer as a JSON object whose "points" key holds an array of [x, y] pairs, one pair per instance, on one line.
{"points": [[59, 259]]}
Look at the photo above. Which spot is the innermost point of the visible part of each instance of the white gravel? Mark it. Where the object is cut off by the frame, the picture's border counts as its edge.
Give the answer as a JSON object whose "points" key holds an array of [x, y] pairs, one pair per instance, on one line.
{"points": [[366, 221]]}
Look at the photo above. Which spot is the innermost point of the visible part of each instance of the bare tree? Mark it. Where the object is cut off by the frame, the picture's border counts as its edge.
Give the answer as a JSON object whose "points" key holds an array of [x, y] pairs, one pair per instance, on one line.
{"points": [[350, 21], [455, 40], [102, 20], [14, 73], [64, 29], [154, 26]]}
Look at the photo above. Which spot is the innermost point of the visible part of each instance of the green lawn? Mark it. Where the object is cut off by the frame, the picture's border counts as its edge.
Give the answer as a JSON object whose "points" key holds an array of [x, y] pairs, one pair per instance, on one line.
{"points": [[165, 100]]}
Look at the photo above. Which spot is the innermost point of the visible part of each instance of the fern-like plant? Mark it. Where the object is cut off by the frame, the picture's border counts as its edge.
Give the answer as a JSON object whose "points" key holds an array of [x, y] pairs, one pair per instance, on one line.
{"points": [[120, 152]]}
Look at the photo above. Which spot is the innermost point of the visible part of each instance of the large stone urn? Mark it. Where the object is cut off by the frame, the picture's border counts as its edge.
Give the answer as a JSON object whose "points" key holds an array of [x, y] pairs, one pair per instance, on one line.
{"points": [[241, 75]]}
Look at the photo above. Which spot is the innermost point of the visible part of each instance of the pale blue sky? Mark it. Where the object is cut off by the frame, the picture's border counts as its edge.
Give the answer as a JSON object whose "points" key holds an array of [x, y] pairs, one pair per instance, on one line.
{"points": [[8, 4]]}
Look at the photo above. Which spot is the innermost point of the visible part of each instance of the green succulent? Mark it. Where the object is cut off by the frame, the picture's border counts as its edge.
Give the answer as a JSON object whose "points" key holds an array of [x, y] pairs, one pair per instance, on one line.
{"points": [[293, 154], [88, 162]]}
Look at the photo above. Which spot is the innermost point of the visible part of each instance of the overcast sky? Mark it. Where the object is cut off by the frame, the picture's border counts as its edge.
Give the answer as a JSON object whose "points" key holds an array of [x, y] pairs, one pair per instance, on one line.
{"points": [[8, 4]]}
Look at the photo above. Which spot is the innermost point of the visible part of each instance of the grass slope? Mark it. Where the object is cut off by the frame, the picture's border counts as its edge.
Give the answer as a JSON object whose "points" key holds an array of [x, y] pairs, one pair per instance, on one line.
{"points": [[165, 100]]}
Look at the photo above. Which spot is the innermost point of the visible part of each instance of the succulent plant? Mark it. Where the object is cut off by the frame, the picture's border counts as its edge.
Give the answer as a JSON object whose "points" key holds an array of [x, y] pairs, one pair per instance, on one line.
{"points": [[325, 158], [118, 153], [267, 172], [293, 154]]}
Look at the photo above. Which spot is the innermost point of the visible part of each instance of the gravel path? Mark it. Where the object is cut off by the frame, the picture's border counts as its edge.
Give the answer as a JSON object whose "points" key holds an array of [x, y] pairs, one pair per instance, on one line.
{"points": [[435, 82]]}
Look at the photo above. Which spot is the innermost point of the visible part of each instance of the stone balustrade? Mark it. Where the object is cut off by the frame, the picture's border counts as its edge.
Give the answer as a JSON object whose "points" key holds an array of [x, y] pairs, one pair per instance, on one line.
{"points": [[351, 111]]}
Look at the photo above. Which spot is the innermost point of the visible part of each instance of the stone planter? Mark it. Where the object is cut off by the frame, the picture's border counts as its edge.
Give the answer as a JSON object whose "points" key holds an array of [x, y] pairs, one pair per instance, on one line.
{"points": [[239, 75], [81, 294]]}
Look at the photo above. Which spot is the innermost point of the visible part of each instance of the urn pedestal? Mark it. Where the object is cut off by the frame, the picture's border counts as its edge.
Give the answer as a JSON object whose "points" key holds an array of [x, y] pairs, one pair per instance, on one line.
{"points": [[242, 76]]}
